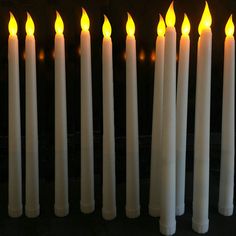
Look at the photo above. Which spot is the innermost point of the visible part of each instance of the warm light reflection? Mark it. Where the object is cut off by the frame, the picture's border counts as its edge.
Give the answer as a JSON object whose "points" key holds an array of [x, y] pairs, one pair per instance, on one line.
{"points": [[206, 20], [170, 16], [124, 55], [142, 55], [12, 25], [130, 26], [29, 26], [153, 56], [59, 25], [106, 28], [229, 28], [185, 26], [41, 55], [84, 22], [161, 27]]}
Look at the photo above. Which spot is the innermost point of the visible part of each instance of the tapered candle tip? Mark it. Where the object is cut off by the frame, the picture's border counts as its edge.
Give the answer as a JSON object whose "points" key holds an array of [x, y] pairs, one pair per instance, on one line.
{"points": [[130, 26], [12, 25], [84, 22]]}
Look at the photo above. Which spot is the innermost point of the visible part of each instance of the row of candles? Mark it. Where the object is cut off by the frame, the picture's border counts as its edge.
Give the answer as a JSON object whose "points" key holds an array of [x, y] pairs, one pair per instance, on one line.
{"points": [[168, 154]]}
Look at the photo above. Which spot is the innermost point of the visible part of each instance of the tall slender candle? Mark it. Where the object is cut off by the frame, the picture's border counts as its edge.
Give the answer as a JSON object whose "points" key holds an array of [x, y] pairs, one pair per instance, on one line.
{"points": [[200, 222], [168, 162], [181, 115], [14, 143], [227, 144], [61, 207], [132, 146], [155, 176], [87, 203], [109, 182], [31, 124]]}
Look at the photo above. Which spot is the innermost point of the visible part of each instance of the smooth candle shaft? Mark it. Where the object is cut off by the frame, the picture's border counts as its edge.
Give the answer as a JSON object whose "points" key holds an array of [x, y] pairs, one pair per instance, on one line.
{"points": [[227, 141], [155, 176], [31, 136], [61, 206], [200, 222], [87, 203], [14, 143], [132, 144], [109, 183], [181, 122], [168, 162]]}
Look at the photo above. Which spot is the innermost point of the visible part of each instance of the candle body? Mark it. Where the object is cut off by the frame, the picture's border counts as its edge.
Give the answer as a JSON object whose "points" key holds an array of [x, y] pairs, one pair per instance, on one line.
{"points": [[168, 162], [109, 183], [14, 143], [132, 146], [227, 142], [181, 122], [155, 176], [61, 207], [200, 222], [87, 203], [31, 135]]}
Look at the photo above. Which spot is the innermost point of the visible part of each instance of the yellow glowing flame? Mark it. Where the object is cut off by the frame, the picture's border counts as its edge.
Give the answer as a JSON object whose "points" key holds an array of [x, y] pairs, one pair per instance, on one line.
{"points": [[161, 27], [229, 28], [170, 16], [12, 25], [84, 22], [130, 26], [206, 20], [185, 25], [29, 26], [106, 28], [59, 25]]}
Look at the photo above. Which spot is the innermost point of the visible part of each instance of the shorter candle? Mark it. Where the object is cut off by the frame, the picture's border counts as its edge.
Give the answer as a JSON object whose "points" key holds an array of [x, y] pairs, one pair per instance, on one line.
{"points": [[227, 144]]}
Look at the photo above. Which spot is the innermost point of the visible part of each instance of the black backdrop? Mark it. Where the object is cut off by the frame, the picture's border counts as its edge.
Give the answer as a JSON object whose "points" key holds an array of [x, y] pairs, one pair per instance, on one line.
{"points": [[145, 14]]}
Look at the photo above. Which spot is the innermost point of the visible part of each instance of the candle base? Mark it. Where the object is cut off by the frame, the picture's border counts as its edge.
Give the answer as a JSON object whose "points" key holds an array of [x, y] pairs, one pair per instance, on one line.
{"points": [[132, 213], [226, 211], [168, 229], [109, 214], [32, 212], [180, 210], [15, 212], [154, 211], [200, 228], [87, 208], [61, 212]]}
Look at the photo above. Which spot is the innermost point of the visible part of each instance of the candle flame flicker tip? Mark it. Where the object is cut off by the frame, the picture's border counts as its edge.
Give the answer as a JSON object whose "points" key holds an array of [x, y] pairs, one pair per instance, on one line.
{"points": [[170, 16], [106, 28], [84, 22], [59, 25], [206, 19], [29, 26], [130, 26], [161, 27], [185, 25], [12, 25], [229, 28]]}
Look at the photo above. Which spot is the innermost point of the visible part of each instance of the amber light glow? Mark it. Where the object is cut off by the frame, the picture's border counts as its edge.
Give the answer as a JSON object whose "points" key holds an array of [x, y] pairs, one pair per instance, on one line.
{"points": [[12, 25], [59, 25], [161, 27], [130, 26], [84, 22], [185, 26], [29, 26], [206, 20], [170, 16], [229, 28], [106, 28], [142, 55]]}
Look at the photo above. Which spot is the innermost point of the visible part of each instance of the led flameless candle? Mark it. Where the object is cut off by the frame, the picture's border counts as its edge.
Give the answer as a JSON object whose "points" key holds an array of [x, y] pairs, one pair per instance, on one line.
{"points": [[155, 176], [200, 222], [181, 115], [61, 207], [109, 182], [132, 146], [227, 144], [168, 162], [14, 143], [87, 203], [31, 124]]}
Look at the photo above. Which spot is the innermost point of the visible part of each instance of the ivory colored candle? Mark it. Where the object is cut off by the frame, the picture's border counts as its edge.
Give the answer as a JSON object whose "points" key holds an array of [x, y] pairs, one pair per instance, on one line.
{"points": [[227, 143], [61, 207], [132, 144], [155, 176], [87, 203], [168, 162], [32, 208], [200, 222], [181, 116], [14, 142]]}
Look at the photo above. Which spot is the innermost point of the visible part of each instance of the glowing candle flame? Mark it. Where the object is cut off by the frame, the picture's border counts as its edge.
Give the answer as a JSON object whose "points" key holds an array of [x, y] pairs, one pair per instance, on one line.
{"points": [[106, 28], [185, 26], [130, 26], [12, 25], [161, 27], [206, 20], [59, 25], [170, 16], [229, 28], [29, 26], [84, 22]]}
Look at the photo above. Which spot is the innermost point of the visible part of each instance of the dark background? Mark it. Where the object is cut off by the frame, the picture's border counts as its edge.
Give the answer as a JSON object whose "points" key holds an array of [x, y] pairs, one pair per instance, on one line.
{"points": [[146, 15]]}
